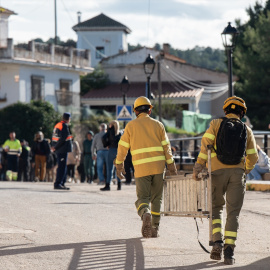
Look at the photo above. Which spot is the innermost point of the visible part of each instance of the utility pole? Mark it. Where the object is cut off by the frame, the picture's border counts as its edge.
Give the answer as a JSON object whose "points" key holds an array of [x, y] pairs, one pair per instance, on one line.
{"points": [[55, 23]]}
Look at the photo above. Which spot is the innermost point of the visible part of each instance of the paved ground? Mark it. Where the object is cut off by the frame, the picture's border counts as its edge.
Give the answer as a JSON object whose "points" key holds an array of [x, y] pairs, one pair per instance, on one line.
{"points": [[87, 229]]}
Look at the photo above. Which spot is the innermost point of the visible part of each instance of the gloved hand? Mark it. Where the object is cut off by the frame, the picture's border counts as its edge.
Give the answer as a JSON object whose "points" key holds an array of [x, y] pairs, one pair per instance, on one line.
{"points": [[247, 171], [196, 170], [120, 171], [172, 168]]}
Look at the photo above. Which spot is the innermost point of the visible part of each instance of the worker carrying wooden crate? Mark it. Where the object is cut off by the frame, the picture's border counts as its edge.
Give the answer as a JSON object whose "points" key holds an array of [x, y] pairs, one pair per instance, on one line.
{"points": [[150, 149], [233, 155]]}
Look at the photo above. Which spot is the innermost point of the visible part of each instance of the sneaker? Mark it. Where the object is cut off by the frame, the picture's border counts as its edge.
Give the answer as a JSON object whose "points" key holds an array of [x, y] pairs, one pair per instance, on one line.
{"points": [[154, 232], [101, 183], [229, 255], [216, 251], [146, 226]]}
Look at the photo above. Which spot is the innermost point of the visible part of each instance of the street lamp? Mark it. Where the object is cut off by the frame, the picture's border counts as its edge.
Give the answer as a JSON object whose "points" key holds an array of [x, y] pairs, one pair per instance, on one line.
{"points": [[124, 89], [229, 36], [149, 67]]}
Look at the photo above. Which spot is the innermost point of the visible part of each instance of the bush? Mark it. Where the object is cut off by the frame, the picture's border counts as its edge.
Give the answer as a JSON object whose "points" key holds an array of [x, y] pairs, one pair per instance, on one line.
{"points": [[27, 119]]}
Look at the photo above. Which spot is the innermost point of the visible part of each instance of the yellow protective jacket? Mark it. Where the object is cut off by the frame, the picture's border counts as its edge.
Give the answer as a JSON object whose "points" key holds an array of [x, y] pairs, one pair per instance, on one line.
{"points": [[209, 138], [149, 146]]}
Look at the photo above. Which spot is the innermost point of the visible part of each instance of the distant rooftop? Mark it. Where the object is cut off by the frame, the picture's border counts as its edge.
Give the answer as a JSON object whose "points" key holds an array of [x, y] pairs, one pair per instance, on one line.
{"points": [[7, 11], [101, 23]]}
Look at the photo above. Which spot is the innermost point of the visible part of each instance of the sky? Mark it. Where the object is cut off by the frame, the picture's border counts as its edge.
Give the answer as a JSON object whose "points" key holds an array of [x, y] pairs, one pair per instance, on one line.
{"points": [[183, 24]]}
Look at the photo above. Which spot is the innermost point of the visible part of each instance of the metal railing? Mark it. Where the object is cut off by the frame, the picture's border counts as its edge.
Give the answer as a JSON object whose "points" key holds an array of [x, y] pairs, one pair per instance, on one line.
{"points": [[188, 147]]}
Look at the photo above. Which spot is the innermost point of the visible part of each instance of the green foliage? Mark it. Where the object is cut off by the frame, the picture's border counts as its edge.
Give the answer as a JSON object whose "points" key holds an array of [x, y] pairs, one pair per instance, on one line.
{"points": [[95, 80], [168, 109], [27, 119], [179, 131], [209, 58], [68, 43], [252, 65], [134, 47]]}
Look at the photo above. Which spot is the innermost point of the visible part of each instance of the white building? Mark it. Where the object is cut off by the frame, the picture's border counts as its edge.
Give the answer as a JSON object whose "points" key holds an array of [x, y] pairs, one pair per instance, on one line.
{"points": [[197, 89], [103, 36], [40, 72]]}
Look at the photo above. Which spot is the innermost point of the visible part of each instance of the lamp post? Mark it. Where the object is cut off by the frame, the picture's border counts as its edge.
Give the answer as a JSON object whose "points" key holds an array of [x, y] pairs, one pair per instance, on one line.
{"points": [[124, 89], [229, 36], [149, 67]]}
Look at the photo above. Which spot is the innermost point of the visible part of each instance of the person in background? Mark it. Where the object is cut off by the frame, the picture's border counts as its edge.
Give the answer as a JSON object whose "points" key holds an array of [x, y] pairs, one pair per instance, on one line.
{"points": [[40, 152], [128, 168], [1, 160], [73, 160], [262, 166], [62, 145], [13, 148], [100, 153], [110, 140], [89, 163], [24, 162]]}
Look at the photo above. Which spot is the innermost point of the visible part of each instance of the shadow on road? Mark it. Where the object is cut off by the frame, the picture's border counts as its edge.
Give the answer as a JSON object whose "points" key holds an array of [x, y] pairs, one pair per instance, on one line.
{"points": [[117, 254]]}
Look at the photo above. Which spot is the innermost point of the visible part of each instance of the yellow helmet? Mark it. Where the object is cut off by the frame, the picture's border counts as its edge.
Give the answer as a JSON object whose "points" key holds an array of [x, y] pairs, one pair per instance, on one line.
{"points": [[235, 101], [140, 101]]}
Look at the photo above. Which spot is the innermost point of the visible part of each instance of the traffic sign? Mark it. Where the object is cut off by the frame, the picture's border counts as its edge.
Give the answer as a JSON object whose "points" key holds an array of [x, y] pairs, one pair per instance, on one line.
{"points": [[124, 112]]}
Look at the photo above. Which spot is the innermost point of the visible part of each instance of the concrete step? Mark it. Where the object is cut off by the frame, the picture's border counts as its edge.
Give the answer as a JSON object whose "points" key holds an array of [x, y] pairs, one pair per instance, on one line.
{"points": [[258, 185]]}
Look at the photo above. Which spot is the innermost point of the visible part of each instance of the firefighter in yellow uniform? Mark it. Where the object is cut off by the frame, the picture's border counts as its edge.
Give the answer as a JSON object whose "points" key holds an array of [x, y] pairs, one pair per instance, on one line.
{"points": [[229, 179], [150, 149]]}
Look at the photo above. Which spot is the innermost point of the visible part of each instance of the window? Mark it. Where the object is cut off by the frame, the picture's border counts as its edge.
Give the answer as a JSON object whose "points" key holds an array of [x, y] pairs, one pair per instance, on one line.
{"points": [[99, 52], [37, 87], [65, 85]]}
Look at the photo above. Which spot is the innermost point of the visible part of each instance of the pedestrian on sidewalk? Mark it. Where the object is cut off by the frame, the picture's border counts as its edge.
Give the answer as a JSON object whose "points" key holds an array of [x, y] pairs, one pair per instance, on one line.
{"points": [[24, 162], [89, 163], [151, 151], [110, 140], [231, 140], [13, 148], [261, 167], [62, 145], [100, 153], [73, 160], [40, 152]]}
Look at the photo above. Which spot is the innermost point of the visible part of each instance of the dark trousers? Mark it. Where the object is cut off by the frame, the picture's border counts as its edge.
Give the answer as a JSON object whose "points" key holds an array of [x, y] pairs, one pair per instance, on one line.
{"points": [[24, 170], [128, 165], [71, 170], [12, 163], [61, 175]]}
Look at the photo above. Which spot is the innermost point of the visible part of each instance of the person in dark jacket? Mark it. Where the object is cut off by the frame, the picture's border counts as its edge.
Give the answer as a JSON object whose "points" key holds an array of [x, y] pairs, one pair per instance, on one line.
{"points": [[89, 163], [40, 152], [24, 162], [62, 145], [110, 140]]}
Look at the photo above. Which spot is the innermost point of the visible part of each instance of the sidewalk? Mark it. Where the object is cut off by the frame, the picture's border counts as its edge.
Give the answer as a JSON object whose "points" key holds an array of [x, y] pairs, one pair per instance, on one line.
{"points": [[84, 228]]}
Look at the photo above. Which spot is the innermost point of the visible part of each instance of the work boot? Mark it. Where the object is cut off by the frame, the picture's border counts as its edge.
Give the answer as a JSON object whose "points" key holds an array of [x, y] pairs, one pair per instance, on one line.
{"points": [[106, 188], [154, 232], [229, 254], [216, 251], [146, 226], [119, 186]]}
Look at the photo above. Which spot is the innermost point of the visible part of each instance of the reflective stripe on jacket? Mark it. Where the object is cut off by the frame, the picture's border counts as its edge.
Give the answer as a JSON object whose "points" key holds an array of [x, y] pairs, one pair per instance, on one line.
{"points": [[14, 147], [209, 138], [149, 146], [62, 138]]}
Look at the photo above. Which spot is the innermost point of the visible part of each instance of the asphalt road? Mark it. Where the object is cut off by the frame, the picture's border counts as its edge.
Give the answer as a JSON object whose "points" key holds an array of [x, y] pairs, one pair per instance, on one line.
{"points": [[84, 228]]}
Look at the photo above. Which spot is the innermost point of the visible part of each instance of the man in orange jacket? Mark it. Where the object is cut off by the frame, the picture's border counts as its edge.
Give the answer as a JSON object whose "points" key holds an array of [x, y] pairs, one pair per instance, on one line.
{"points": [[150, 149], [62, 145]]}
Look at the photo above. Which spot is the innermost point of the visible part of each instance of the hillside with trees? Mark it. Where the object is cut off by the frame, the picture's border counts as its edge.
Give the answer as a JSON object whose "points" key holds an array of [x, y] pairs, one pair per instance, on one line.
{"points": [[252, 64]]}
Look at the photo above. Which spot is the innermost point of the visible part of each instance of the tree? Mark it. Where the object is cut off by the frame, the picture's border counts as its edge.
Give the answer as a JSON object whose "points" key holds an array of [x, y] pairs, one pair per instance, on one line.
{"points": [[252, 65], [95, 80], [27, 119]]}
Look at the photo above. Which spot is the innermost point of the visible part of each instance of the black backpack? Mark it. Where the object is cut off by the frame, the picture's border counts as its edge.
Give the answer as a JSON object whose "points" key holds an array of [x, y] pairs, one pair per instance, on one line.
{"points": [[231, 141]]}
